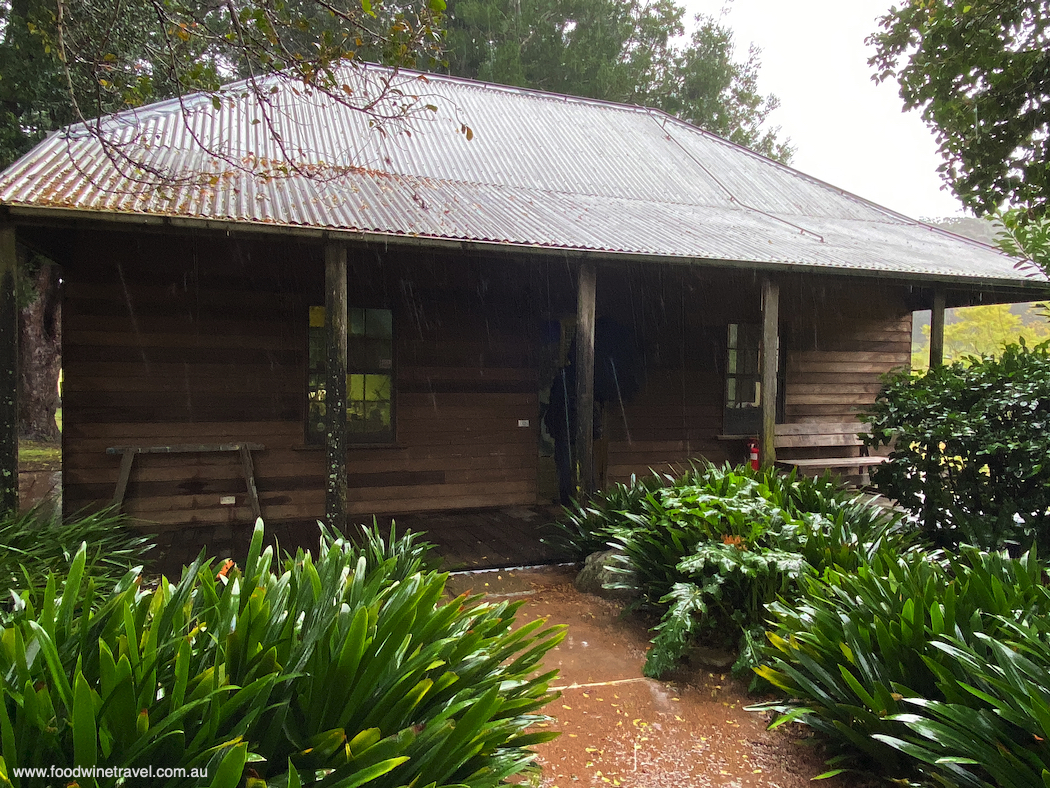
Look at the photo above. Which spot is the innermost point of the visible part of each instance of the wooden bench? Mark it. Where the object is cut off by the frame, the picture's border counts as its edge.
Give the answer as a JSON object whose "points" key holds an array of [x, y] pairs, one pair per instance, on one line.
{"points": [[819, 435], [129, 453]]}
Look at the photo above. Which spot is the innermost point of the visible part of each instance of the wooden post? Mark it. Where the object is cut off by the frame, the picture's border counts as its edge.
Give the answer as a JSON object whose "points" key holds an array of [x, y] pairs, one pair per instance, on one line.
{"points": [[8, 370], [248, 466], [770, 358], [937, 329], [583, 465], [335, 325]]}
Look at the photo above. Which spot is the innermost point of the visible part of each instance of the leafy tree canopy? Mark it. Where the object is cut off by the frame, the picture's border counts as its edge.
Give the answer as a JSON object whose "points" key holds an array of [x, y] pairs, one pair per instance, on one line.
{"points": [[64, 61], [632, 51], [983, 331], [980, 72]]}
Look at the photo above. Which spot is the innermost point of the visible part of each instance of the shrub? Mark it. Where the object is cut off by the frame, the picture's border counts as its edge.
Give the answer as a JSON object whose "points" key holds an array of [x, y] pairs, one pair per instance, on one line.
{"points": [[971, 456], [339, 671], [910, 660], [997, 717], [586, 528], [34, 544], [711, 549]]}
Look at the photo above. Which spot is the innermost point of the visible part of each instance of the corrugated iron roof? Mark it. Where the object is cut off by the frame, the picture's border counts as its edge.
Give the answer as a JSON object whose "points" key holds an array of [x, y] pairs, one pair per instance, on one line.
{"points": [[540, 170]]}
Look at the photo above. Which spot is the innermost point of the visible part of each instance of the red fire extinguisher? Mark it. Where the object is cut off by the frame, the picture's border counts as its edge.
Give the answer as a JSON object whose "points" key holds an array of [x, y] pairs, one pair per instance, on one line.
{"points": [[752, 452]]}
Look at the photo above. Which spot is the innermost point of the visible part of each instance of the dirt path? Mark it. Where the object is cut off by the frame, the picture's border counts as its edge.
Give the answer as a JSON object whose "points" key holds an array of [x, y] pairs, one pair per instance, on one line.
{"points": [[621, 729]]}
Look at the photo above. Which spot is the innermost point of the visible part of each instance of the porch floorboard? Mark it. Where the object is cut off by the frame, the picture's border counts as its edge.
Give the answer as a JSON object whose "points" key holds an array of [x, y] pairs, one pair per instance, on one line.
{"points": [[487, 538]]}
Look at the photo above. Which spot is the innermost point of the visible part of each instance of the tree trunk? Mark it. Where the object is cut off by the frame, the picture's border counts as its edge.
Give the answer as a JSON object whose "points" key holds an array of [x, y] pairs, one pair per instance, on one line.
{"points": [[40, 346]]}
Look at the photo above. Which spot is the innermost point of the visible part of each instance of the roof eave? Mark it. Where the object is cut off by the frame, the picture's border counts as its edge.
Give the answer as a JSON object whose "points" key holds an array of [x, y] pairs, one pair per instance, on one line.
{"points": [[318, 234]]}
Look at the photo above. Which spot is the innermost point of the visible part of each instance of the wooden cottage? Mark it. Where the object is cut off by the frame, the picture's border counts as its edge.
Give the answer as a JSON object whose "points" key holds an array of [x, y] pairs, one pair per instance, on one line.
{"points": [[351, 322]]}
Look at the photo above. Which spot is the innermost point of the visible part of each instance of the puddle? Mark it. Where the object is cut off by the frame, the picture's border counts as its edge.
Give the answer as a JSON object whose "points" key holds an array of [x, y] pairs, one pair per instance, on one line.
{"points": [[621, 729]]}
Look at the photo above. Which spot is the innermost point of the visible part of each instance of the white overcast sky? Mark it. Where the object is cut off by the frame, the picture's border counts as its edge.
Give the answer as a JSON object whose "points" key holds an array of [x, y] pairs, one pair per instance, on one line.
{"points": [[847, 130]]}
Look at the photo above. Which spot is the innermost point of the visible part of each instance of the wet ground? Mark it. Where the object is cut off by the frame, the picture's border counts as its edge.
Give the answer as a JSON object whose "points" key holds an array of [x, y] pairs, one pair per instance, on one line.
{"points": [[621, 729]]}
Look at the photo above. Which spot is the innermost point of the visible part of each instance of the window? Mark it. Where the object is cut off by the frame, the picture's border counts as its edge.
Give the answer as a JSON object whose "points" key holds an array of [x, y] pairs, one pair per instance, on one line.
{"points": [[743, 405], [369, 379]]}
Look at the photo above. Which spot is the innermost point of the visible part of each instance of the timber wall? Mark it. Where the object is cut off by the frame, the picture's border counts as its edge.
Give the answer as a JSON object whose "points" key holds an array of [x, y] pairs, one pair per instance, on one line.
{"points": [[682, 316], [841, 339], [177, 340]]}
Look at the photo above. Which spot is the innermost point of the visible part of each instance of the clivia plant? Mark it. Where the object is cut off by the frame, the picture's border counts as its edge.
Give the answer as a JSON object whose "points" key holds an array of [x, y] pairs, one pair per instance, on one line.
{"points": [[343, 670]]}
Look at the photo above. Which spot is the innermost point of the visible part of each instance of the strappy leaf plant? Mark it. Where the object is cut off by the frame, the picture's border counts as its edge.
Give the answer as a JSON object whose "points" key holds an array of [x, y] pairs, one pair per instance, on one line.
{"points": [[923, 661], [37, 542], [340, 670]]}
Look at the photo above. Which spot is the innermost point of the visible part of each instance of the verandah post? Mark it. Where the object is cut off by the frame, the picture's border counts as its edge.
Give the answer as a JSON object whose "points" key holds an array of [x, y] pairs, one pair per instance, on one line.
{"points": [[770, 360], [583, 467], [937, 329], [8, 370], [335, 324]]}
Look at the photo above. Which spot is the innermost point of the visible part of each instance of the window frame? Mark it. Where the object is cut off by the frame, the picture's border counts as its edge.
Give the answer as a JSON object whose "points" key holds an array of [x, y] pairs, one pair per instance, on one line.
{"points": [[743, 426], [741, 419], [354, 438]]}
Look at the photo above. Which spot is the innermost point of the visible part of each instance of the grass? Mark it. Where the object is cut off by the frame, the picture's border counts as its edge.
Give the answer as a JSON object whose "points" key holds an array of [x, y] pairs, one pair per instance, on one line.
{"points": [[39, 456]]}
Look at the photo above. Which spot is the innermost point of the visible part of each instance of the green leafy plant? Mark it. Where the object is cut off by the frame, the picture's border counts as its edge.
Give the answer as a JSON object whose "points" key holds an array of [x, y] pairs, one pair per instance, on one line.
{"points": [[408, 553], [587, 528], [37, 542], [996, 720], [971, 443], [711, 549], [1026, 234], [343, 670], [893, 657]]}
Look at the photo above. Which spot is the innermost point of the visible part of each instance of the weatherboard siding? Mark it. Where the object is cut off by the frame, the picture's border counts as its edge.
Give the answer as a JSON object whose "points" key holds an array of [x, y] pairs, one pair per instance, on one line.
{"points": [[839, 350], [173, 340], [838, 338], [176, 339]]}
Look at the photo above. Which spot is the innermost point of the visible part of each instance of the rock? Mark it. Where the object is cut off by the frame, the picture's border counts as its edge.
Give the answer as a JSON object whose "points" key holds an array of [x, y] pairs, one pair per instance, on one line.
{"points": [[717, 658], [596, 573]]}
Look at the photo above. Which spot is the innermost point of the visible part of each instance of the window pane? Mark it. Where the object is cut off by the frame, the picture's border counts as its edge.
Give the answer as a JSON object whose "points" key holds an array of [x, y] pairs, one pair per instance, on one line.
{"points": [[355, 388], [369, 354], [315, 407], [748, 392], [748, 361], [369, 407], [378, 323], [355, 317], [742, 365], [317, 317], [317, 358], [377, 418], [377, 387]]}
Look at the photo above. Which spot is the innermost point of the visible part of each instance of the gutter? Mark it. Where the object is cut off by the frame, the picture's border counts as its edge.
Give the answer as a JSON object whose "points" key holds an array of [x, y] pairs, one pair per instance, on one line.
{"points": [[75, 216]]}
